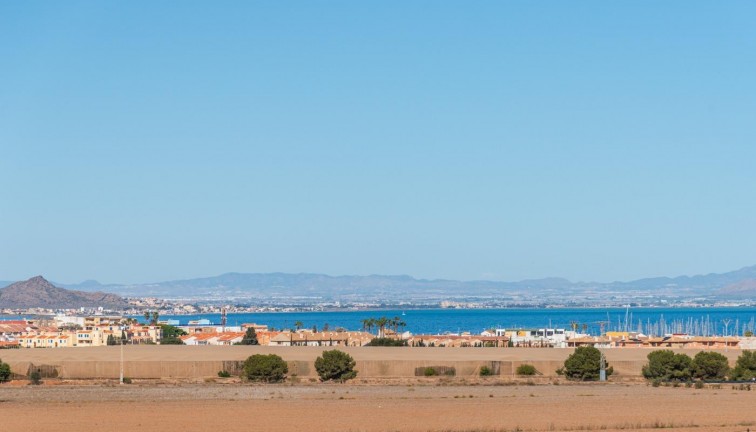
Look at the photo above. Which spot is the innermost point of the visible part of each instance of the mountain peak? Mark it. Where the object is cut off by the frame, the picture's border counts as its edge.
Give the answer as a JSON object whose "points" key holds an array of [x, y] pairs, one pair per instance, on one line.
{"points": [[39, 292]]}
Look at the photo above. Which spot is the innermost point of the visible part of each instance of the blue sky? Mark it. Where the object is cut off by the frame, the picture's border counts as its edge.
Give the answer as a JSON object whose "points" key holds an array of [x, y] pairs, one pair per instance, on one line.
{"points": [[144, 141]]}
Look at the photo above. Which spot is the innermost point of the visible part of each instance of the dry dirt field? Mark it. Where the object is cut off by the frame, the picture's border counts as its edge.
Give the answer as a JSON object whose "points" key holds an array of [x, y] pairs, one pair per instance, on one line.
{"points": [[350, 407]]}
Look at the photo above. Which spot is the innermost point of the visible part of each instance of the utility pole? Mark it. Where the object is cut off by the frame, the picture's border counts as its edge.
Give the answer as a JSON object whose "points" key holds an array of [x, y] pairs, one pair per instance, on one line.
{"points": [[120, 378]]}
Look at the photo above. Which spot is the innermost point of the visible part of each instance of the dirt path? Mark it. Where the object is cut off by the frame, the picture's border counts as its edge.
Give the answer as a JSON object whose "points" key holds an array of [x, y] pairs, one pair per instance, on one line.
{"points": [[190, 408]]}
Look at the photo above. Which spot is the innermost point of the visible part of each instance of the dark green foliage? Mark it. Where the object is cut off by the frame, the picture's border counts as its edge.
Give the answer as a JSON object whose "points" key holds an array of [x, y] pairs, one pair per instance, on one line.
{"points": [[526, 369], [335, 365], [389, 342], [584, 365], [35, 378], [250, 337], [710, 365], [745, 367], [485, 371], [5, 372], [748, 333], [171, 335], [265, 368], [699, 384], [111, 340], [665, 365], [429, 371], [224, 374]]}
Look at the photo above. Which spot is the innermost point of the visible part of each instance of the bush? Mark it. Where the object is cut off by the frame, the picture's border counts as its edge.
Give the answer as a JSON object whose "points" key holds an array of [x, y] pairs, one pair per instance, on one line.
{"points": [[5, 372], [335, 365], [35, 378], [265, 368], [224, 374], [710, 365], [171, 334], [699, 384], [429, 371], [526, 369], [584, 365], [665, 365], [485, 371], [126, 380], [389, 342], [745, 367], [250, 337]]}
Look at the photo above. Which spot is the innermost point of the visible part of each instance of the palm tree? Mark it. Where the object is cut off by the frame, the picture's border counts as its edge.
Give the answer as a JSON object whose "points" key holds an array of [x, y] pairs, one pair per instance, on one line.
{"points": [[146, 317], [368, 324], [298, 324], [155, 317], [381, 322]]}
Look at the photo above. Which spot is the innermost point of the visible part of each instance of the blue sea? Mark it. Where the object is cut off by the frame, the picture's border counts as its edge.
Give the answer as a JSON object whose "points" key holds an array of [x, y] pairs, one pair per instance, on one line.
{"points": [[655, 321], [707, 321]]}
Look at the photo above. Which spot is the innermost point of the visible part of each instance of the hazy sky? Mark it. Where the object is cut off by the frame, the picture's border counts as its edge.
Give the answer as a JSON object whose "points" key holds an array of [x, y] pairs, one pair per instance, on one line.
{"points": [[144, 141]]}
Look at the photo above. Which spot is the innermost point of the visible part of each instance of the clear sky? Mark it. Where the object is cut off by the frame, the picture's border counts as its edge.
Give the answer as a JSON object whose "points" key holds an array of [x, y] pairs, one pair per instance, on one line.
{"points": [[146, 141]]}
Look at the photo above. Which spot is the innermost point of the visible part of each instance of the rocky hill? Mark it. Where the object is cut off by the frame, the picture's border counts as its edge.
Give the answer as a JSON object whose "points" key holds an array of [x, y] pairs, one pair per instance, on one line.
{"points": [[38, 292]]}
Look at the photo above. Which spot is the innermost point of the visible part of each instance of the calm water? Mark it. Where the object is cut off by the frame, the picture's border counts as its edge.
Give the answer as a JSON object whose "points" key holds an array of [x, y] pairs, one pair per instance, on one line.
{"points": [[651, 320]]}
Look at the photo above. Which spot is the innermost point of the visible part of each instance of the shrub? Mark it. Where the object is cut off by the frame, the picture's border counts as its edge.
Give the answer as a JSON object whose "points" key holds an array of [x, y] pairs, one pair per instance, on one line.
{"points": [[265, 368], [665, 365], [584, 365], [171, 334], [745, 367], [699, 384], [35, 378], [5, 372], [224, 374], [126, 380], [389, 342], [250, 337], [710, 365], [335, 365], [429, 371], [485, 371], [526, 369]]}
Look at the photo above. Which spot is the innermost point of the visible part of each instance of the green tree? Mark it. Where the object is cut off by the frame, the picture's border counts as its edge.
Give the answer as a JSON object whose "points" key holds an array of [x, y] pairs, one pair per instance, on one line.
{"points": [[265, 368], [5, 372], [390, 342], [745, 367], [710, 365], [381, 323], [111, 340], [250, 337], [171, 334], [665, 365], [584, 365], [155, 318], [298, 324], [335, 365]]}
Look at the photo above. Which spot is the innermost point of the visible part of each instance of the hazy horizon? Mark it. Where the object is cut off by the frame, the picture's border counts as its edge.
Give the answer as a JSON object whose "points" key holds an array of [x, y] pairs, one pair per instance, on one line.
{"points": [[491, 141]]}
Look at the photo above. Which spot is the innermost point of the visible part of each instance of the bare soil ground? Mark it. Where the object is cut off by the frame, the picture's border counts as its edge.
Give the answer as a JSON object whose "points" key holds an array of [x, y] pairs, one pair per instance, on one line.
{"points": [[371, 408]]}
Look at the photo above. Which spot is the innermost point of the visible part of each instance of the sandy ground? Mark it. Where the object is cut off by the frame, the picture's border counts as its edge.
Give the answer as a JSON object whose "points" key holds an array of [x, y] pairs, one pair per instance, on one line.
{"points": [[348, 407]]}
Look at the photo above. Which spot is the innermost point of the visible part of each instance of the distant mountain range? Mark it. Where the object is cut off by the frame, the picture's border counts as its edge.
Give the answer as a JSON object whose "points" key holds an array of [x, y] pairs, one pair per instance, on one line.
{"points": [[736, 284], [37, 292]]}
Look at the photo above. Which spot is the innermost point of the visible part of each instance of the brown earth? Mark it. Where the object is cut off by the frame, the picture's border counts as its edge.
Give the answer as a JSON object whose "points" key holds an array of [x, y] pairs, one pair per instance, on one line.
{"points": [[372, 408]]}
